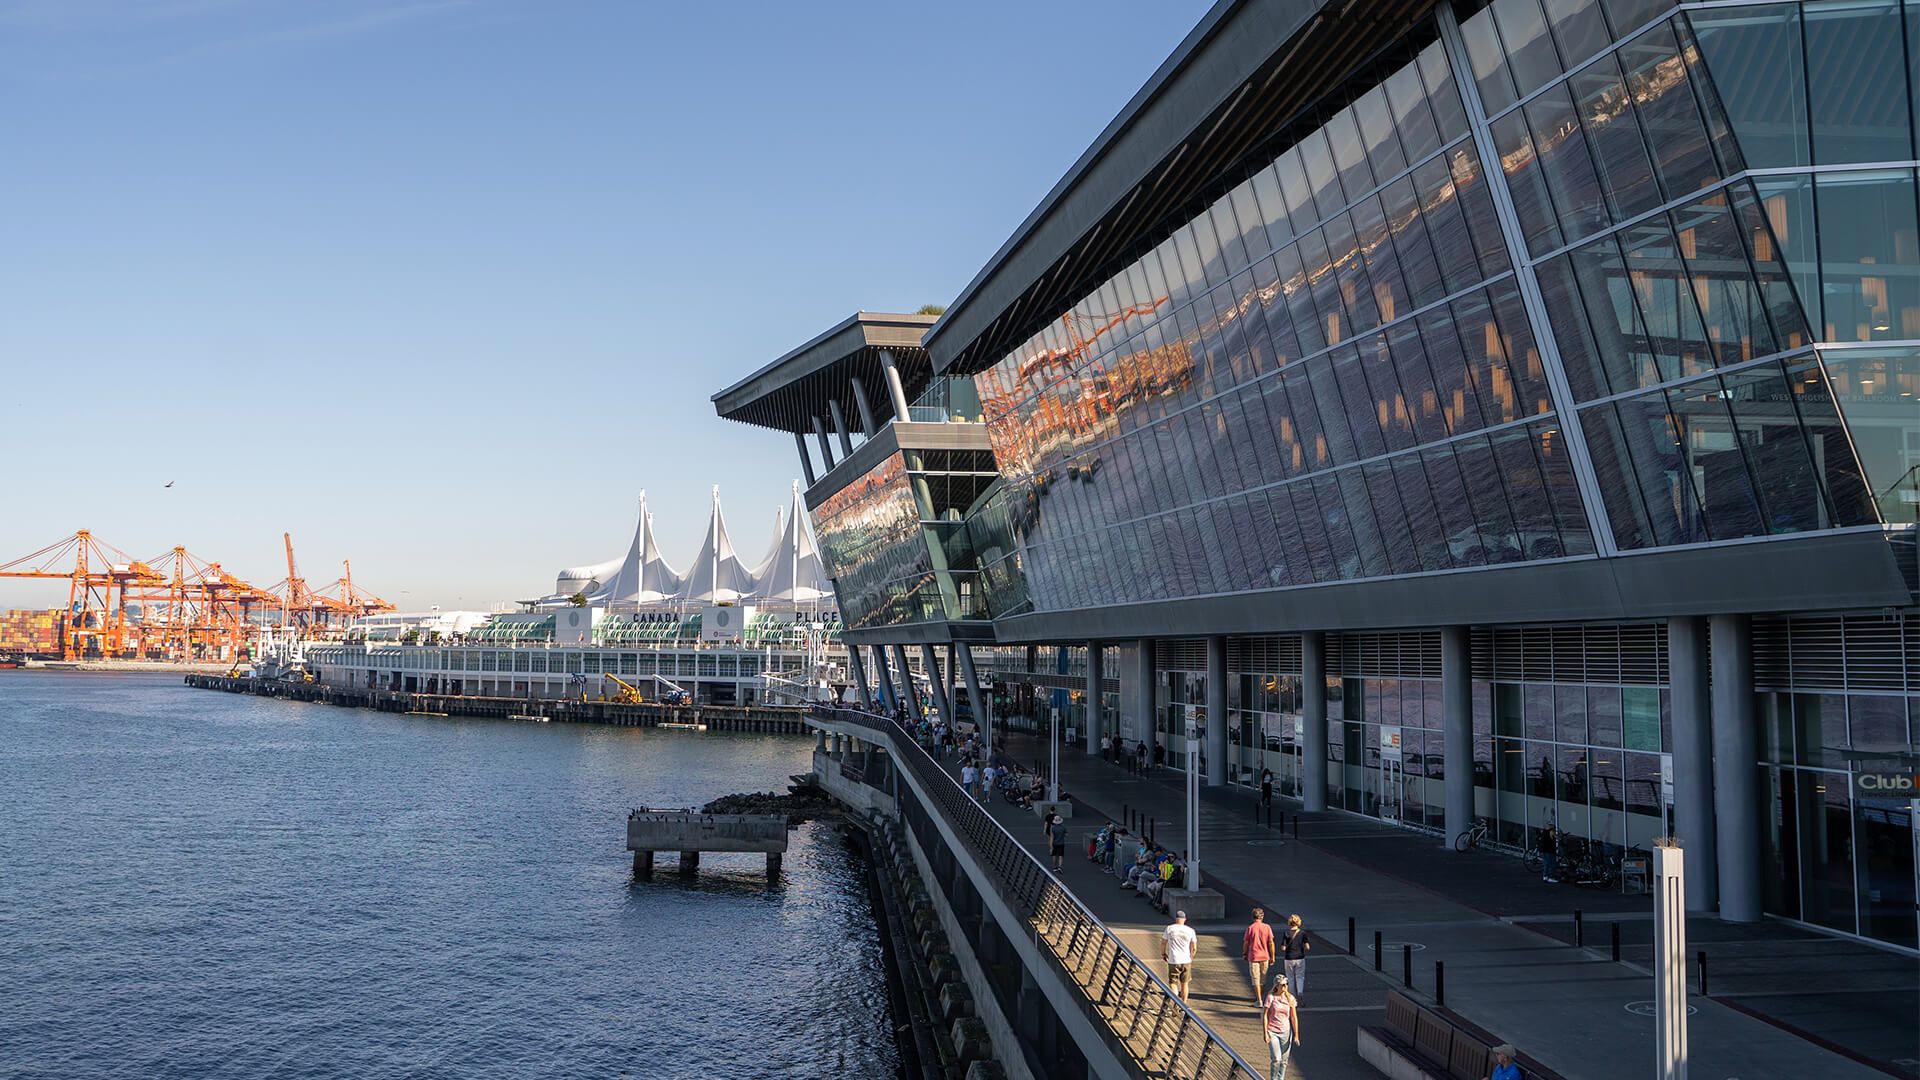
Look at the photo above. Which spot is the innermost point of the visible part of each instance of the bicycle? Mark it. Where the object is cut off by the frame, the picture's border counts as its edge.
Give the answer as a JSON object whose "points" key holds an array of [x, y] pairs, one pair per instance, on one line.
{"points": [[1473, 837]]}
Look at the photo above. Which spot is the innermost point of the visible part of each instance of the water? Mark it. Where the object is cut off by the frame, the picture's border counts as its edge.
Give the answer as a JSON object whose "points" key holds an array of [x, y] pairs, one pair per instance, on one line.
{"points": [[197, 884]]}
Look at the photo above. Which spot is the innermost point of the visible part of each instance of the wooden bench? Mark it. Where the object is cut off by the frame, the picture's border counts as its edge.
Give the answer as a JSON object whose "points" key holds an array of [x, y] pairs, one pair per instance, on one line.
{"points": [[1421, 1043]]}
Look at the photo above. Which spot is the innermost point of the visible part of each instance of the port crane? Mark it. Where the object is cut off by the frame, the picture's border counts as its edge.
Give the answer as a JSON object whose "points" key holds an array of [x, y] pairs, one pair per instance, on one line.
{"points": [[98, 577]]}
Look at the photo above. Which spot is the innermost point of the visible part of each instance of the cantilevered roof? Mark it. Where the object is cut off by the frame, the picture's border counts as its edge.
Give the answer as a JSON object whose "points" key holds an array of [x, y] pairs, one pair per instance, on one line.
{"points": [[1249, 71], [787, 394]]}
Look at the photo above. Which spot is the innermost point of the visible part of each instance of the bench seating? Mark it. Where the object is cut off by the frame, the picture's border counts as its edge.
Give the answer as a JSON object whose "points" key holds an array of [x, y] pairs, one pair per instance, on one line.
{"points": [[1421, 1043]]}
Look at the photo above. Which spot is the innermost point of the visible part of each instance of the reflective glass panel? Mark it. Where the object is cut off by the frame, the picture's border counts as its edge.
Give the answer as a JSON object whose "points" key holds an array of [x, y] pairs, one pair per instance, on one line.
{"points": [[1857, 81]]}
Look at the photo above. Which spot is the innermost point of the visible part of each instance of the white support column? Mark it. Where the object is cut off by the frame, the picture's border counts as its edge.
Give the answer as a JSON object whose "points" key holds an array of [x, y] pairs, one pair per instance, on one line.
{"points": [[1669, 961], [896, 392], [1194, 735], [1313, 687], [1215, 736], [1691, 695], [1456, 702]]}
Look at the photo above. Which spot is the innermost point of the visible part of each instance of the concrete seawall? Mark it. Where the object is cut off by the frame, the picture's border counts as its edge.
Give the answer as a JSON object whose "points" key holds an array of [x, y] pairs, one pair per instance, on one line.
{"points": [[766, 719]]}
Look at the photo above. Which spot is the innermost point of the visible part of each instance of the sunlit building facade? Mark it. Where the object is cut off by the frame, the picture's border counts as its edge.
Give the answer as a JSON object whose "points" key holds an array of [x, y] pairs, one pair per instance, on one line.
{"points": [[1501, 412]]}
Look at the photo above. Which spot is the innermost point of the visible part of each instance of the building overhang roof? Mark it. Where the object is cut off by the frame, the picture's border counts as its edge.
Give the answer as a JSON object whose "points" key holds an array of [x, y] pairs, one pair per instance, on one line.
{"points": [[1248, 71], [789, 392]]}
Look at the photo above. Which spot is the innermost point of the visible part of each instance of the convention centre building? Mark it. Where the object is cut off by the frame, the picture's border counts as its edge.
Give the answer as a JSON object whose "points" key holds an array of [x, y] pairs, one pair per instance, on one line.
{"points": [[1466, 412]]}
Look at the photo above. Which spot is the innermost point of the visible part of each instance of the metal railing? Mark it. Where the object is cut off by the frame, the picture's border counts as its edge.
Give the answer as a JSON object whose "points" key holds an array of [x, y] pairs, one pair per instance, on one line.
{"points": [[1145, 1018]]}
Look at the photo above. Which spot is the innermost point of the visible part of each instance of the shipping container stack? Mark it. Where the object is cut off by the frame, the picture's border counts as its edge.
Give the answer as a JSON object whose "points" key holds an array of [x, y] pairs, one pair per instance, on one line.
{"points": [[31, 633]]}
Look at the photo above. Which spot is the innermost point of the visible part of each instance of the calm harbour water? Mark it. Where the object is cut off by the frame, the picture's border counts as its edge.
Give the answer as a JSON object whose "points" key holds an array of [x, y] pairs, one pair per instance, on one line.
{"points": [[197, 884]]}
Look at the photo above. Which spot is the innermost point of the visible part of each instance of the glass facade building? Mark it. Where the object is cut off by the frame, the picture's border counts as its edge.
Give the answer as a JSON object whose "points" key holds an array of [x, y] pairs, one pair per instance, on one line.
{"points": [[1539, 287]]}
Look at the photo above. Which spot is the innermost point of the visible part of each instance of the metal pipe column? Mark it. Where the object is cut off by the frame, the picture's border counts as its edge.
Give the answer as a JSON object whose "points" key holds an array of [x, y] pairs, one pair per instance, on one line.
{"points": [[868, 426], [882, 680], [908, 691], [1693, 822], [806, 459], [826, 448], [839, 417], [1146, 705], [941, 699], [859, 671], [1456, 696], [895, 391], [1736, 768], [1313, 686], [982, 712]]}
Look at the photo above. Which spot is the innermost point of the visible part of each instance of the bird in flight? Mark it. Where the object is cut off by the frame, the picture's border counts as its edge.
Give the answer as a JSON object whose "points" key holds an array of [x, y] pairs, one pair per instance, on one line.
{"points": [[169, 483]]}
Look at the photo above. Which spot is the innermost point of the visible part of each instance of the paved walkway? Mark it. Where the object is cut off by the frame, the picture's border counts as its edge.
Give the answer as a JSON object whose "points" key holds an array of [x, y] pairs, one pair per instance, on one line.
{"points": [[1483, 915]]}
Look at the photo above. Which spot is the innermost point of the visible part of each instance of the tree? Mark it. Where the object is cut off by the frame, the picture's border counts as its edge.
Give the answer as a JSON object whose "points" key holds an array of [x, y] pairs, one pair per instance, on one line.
{"points": [[932, 309], [578, 599]]}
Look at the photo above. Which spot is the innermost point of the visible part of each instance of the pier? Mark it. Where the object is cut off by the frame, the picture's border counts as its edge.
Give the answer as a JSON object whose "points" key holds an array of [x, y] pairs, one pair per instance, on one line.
{"points": [[760, 719], [690, 833]]}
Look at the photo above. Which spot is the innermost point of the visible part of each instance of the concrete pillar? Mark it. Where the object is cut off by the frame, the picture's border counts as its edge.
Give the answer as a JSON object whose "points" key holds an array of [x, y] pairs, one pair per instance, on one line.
{"points": [[826, 448], [982, 711], [859, 671], [882, 681], [1143, 705], [896, 392], [839, 418], [868, 426], [1736, 772], [806, 459], [1313, 707], [941, 698], [1456, 697], [1216, 736], [1692, 757], [908, 692], [1095, 732]]}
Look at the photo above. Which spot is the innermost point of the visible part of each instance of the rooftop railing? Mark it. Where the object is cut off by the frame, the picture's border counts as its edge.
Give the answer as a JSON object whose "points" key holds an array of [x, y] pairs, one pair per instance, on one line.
{"points": [[1162, 1036]]}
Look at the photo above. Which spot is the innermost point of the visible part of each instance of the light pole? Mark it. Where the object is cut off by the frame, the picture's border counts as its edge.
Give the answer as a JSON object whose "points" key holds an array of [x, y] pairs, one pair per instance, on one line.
{"points": [[1670, 960], [1194, 725], [1053, 755]]}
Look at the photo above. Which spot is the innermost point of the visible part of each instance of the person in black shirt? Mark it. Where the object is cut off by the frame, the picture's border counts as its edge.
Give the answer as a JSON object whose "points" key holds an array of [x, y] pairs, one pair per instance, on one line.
{"points": [[1293, 956], [1549, 847]]}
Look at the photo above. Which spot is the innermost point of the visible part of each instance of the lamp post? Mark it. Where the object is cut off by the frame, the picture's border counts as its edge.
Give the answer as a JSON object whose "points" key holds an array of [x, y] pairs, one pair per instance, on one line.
{"points": [[1194, 727], [1669, 960], [1053, 756]]}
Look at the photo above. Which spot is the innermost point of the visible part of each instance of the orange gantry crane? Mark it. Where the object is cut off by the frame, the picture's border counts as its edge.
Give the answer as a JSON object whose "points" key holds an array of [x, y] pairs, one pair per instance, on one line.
{"points": [[334, 604], [199, 612], [99, 578]]}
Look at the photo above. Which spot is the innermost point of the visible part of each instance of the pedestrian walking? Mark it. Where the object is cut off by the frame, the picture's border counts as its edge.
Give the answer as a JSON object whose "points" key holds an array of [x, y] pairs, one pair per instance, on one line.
{"points": [[1266, 787], [1549, 854], [1057, 838], [968, 776], [1293, 956], [1256, 945], [1504, 1067], [986, 789], [1176, 948], [1282, 1015]]}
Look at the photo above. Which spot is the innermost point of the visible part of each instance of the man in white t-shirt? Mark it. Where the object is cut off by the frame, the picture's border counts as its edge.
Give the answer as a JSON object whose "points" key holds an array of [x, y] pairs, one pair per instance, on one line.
{"points": [[1176, 948], [968, 776]]}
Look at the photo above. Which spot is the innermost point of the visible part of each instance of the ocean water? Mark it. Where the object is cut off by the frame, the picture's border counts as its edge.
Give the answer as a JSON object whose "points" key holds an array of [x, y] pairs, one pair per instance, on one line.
{"points": [[198, 884]]}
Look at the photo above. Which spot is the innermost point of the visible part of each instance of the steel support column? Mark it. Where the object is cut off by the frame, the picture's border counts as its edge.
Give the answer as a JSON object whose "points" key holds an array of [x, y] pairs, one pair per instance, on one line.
{"points": [[941, 698], [806, 458], [1736, 769], [1095, 732], [839, 418], [907, 690], [868, 426], [1693, 822], [982, 711], [882, 681], [1216, 730], [1145, 704], [896, 392], [826, 448], [1313, 720], [859, 672], [1456, 710]]}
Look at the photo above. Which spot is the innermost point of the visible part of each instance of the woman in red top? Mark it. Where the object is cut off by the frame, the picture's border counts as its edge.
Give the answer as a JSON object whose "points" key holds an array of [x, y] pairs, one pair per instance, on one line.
{"points": [[1281, 1013]]}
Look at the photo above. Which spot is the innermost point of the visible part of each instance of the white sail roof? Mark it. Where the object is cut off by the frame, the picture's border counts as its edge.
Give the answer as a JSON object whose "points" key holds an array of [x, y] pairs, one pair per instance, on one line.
{"points": [[717, 575], [793, 573], [644, 576]]}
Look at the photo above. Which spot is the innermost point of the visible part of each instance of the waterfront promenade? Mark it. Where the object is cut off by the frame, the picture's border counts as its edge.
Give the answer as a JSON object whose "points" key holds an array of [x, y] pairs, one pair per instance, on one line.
{"points": [[1572, 1009]]}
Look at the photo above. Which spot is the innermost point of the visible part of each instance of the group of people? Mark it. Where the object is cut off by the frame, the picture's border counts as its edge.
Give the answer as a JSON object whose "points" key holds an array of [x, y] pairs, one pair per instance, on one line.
{"points": [[1149, 871]]}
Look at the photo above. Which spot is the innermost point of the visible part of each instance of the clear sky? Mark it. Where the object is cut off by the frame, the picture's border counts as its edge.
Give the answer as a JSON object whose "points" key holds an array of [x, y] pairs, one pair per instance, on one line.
{"points": [[440, 285]]}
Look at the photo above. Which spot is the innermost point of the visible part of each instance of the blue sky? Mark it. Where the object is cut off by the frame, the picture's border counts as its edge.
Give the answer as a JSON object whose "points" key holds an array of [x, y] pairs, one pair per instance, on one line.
{"points": [[440, 285]]}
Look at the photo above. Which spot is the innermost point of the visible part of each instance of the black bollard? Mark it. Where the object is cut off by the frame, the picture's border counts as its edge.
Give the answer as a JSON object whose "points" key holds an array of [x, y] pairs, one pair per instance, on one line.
{"points": [[1376, 950], [1440, 982], [1296, 825], [1579, 930], [1350, 935], [1616, 941], [1703, 973], [1406, 966]]}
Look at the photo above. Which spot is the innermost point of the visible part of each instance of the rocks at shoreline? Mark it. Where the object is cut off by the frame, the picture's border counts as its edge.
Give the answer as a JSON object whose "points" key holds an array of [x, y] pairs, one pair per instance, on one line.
{"points": [[801, 803]]}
